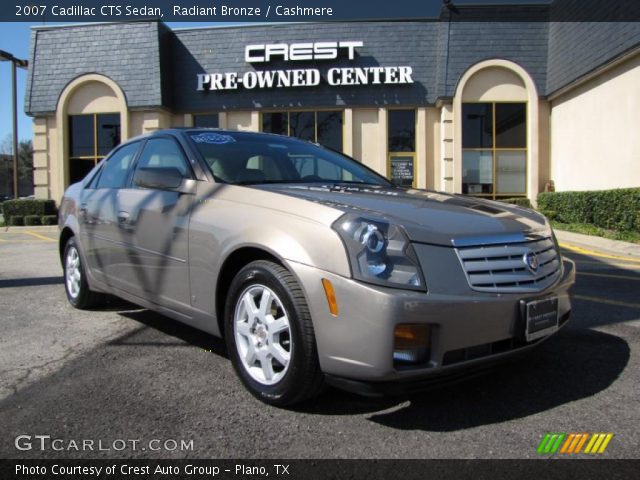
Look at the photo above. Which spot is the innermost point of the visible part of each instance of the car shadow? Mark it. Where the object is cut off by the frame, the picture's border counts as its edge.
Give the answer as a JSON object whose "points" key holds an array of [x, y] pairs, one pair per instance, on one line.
{"points": [[575, 364], [30, 282], [187, 335]]}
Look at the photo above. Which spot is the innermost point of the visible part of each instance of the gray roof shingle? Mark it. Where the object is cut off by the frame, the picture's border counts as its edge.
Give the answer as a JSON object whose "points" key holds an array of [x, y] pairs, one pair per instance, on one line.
{"points": [[127, 53], [156, 66]]}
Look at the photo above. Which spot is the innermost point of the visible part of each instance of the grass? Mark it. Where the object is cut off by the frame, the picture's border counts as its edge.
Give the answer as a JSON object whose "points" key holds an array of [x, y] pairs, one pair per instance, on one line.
{"points": [[588, 229]]}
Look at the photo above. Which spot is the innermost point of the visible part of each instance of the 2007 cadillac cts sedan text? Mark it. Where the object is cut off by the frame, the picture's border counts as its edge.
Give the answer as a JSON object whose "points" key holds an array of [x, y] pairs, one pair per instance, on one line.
{"points": [[314, 269]]}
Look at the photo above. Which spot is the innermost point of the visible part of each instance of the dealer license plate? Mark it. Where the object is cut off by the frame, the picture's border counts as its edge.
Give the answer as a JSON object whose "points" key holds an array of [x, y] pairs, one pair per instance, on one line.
{"points": [[542, 318]]}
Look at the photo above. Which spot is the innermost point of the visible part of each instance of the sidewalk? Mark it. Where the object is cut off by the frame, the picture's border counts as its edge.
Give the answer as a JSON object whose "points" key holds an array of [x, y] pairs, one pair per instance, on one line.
{"points": [[612, 247]]}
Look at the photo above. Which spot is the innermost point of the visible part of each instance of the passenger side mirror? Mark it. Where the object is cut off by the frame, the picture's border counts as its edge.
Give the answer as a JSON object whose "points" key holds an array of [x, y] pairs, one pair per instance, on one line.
{"points": [[163, 178]]}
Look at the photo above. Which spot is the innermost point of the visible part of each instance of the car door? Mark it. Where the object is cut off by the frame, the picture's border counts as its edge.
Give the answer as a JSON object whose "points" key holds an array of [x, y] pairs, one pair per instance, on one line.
{"points": [[98, 211], [153, 224]]}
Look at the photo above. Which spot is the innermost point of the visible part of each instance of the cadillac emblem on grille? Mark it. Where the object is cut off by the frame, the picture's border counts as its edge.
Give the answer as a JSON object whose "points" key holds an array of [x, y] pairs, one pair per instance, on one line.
{"points": [[511, 267], [530, 259]]}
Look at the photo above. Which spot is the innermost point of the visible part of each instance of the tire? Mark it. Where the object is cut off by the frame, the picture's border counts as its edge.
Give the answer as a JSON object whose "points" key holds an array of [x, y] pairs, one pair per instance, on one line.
{"points": [[270, 337], [75, 279]]}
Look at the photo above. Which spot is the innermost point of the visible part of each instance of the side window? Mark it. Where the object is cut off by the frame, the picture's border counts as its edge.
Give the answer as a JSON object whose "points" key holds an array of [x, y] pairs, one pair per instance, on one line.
{"points": [[314, 168], [163, 153], [94, 181], [267, 165], [115, 171]]}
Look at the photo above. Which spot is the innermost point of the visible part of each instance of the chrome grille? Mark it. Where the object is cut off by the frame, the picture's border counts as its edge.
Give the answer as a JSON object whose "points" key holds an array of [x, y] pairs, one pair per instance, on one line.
{"points": [[502, 268]]}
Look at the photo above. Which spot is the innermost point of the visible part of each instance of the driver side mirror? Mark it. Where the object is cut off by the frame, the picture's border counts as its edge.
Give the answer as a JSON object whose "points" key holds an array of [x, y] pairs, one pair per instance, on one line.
{"points": [[164, 178]]}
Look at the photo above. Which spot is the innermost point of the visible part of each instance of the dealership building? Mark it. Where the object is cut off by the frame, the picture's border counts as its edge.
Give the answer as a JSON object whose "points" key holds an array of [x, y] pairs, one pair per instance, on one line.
{"points": [[497, 102]]}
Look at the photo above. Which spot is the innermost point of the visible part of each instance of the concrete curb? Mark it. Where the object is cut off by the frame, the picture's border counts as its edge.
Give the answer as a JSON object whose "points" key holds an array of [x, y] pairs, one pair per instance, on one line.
{"points": [[33, 228], [589, 242]]}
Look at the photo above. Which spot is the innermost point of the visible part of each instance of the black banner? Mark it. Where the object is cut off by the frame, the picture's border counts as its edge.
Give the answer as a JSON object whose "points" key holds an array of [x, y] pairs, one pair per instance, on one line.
{"points": [[319, 469], [64, 11]]}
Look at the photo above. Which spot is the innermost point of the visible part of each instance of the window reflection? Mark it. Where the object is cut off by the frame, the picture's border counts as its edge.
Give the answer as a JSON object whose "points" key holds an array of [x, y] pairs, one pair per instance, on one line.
{"points": [[209, 120], [323, 127], [494, 142], [108, 132], [402, 130], [302, 125], [330, 129], [477, 125], [511, 129], [275, 122], [91, 138], [81, 136]]}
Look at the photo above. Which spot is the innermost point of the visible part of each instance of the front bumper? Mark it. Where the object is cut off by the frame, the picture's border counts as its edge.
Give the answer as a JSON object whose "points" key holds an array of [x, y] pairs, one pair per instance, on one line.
{"points": [[437, 378], [470, 330]]}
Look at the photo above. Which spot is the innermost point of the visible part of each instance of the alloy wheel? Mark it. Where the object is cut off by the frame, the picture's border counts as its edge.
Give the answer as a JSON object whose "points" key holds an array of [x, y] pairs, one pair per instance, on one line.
{"points": [[72, 272], [263, 334]]}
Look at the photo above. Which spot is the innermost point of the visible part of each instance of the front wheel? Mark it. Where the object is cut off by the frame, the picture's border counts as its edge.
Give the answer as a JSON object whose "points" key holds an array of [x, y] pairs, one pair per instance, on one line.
{"points": [[270, 337], [75, 279]]}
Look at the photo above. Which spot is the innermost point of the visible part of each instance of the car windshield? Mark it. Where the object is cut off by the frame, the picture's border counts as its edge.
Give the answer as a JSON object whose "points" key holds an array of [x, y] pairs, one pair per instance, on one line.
{"points": [[245, 158]]}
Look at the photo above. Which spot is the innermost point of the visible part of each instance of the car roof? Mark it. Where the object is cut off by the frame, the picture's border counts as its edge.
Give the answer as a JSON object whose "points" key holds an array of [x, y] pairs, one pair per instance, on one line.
{"points": [[181, 131]]}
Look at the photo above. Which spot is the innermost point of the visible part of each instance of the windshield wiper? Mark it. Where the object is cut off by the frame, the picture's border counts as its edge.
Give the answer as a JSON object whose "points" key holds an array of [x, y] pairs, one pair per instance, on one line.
{"points": [[329, 183], [345, 182]]}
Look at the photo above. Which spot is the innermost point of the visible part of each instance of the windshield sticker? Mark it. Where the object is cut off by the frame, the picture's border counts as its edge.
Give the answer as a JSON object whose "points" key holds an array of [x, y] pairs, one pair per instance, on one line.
{"points": [[213, 138]]}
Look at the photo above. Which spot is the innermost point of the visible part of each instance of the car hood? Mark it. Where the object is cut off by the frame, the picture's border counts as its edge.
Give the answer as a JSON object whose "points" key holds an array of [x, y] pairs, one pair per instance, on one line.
{"points": [[427, 216]]}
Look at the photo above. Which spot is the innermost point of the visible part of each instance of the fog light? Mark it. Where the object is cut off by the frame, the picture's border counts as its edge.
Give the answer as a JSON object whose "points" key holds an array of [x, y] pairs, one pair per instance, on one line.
{"points": [[411, 344]]}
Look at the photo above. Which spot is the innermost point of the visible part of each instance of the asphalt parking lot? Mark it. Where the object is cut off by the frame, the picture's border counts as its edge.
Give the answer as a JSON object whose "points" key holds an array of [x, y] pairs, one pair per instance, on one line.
{"points": [[127, 373]]}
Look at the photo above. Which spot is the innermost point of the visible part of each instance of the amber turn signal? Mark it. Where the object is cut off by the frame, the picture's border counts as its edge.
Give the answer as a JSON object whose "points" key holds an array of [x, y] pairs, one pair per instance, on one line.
{"points": [[331, 296]]}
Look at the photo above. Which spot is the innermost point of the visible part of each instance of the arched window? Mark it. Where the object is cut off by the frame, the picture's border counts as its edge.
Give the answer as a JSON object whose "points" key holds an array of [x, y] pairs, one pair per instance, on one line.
{"points": [[496, 139], [494, 149], [92, 119], [91, 137]]}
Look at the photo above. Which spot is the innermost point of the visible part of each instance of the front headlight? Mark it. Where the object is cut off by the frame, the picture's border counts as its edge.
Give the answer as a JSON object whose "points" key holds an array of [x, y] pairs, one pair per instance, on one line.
{"points": [[380, 252]]}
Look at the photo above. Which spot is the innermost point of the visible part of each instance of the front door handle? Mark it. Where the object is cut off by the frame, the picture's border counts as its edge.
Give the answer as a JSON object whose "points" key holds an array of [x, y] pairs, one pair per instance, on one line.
{"points": [[123, 217], [82, 212]]}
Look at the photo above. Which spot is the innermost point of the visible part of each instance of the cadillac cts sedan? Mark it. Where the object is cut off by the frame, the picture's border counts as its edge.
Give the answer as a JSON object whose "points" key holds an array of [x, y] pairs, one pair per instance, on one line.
{"points": [[313, 268]]}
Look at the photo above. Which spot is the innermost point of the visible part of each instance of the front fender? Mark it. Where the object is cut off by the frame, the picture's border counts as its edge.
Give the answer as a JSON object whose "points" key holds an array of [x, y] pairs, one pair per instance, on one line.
{"points": [[67, 221], [224, 221], [302, 242]]}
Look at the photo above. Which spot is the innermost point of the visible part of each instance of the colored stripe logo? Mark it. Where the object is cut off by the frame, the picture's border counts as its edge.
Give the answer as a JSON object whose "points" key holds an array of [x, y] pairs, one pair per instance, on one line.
{"points": [[574, 443]]}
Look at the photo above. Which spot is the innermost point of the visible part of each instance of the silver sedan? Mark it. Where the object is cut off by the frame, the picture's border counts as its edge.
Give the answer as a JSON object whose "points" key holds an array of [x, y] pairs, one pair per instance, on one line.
{"points": [[313, 268]]}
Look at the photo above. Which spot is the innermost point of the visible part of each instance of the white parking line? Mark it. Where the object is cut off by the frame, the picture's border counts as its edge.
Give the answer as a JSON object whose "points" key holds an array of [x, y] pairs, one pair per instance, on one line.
{"points": [[607, 301], [606, 275]]}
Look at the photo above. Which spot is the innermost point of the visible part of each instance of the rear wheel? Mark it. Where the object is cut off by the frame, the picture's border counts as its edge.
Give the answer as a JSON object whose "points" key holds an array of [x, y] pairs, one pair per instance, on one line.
{"points": [[75, 279], [270, 336]]}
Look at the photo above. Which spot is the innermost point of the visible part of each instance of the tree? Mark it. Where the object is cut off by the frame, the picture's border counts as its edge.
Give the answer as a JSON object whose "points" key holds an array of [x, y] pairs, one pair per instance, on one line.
{"points": [[25, 166]]}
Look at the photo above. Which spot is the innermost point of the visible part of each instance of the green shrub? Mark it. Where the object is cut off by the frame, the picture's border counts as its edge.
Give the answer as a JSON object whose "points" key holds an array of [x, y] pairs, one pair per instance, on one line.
{"points": [[608, 209], [550, 214], [16, 221], [519, 201], [23, 207], [49, 220], [32, 220]]}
